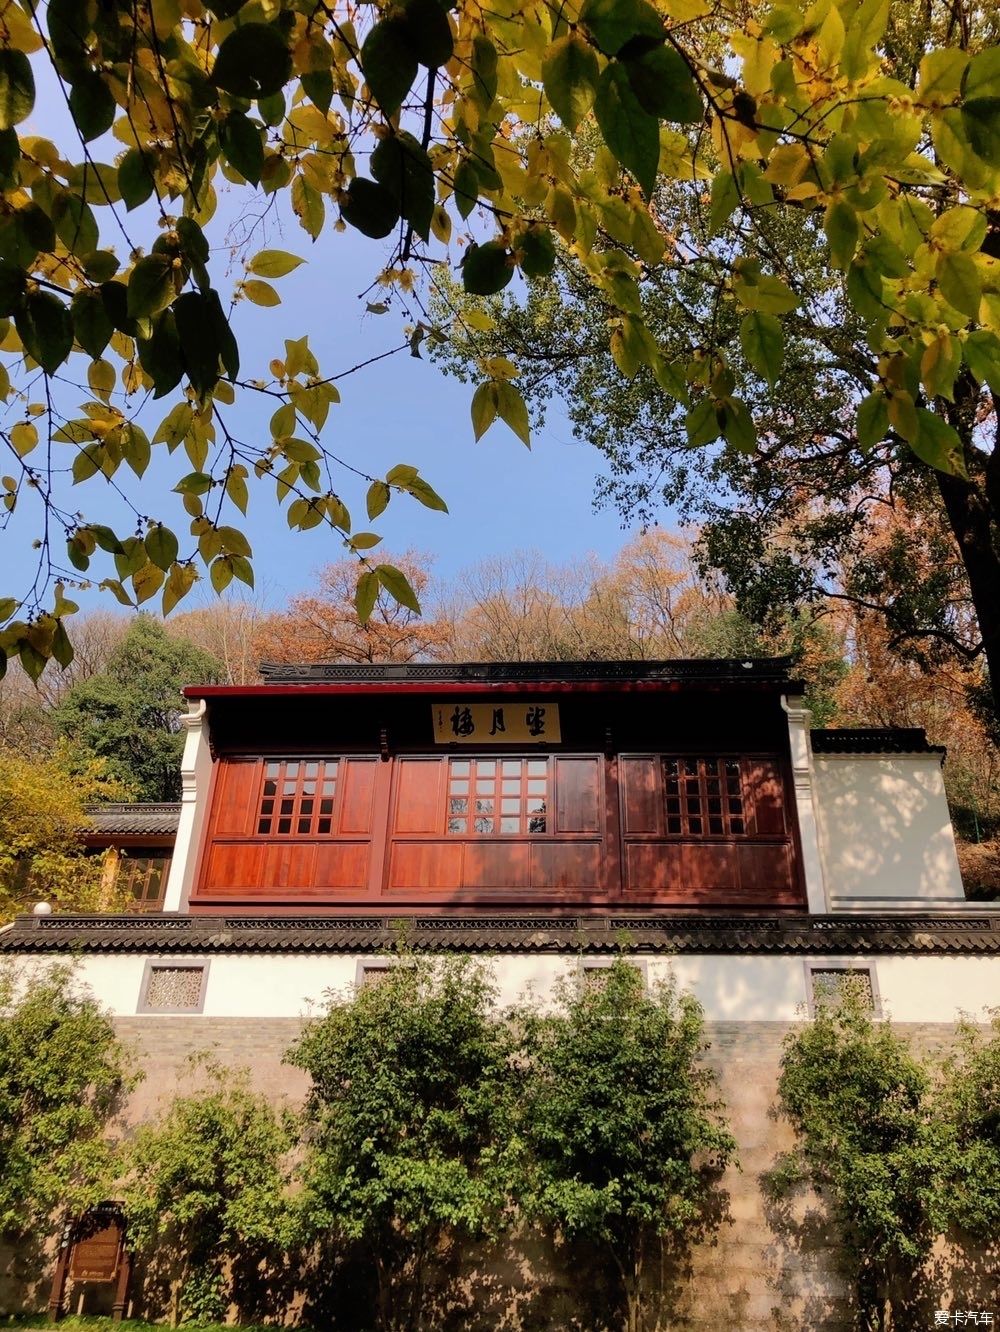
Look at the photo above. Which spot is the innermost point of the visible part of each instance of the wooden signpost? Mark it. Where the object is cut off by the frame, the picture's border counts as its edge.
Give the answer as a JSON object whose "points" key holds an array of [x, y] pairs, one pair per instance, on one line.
{"points": [[92, 1249]]}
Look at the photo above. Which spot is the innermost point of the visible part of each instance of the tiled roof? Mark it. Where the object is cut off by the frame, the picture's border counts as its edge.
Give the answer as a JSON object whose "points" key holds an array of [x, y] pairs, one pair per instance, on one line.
{"points": [[967, 933], [873, 740], [138, 820]]}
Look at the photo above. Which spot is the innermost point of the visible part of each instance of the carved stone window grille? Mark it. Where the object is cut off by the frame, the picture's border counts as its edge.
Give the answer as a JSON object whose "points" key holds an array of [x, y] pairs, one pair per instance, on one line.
{"points": [[297, 798], [174, 987], [828, 984], [505, 797], [704, 797]]}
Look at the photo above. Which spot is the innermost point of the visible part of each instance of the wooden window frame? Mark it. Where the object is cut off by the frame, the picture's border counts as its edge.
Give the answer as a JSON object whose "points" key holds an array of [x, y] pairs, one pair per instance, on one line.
{"points": [[703, 776], [749, 805], [127, 867], [313, 833], [497, 816]]}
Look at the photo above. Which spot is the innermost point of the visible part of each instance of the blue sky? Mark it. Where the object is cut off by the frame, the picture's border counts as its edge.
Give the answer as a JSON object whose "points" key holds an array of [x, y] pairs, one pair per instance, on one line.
{"points": [[501, 496]]}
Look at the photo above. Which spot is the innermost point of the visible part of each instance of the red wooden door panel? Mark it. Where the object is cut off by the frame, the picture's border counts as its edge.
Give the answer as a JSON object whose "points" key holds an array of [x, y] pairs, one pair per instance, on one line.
{"points": [[578, 795], [497, 865], [234, 803], [419, 805], [358, 778], [419, 866], [642, 794], [561, 867], [765, 797]]}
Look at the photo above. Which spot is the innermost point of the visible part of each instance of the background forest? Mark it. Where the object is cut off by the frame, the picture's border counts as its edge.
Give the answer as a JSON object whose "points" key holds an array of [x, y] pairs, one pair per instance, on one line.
{"points": [[107, 727]]}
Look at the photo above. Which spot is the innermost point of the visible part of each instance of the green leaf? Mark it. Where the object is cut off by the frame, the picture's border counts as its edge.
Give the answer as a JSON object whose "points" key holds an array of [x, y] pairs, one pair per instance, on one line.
{"points": [[253, 61], [843, 230], [763, 343], [92, 327], [768, 294], [484, 71], [903, 415], [616, 23], [378, 498], [151, 286], [13, 284], [427, 495], [466, 186], [486, 269], [242, 146], [662, 82], [319, 87], [179, 582], [273, 264], [195, 483], [17, 88], [91, 105], [724, 199], [74, 223], [484, 408], [131, 557], [937, 444], [398, 586], [45, 328], [702, 423], [536, 251], [160, 355], [389, 63], [430, 32], [737, 425], [161, 546], [370, 207], [198, 337], [982, 77], [570, 75], [365, 541], [959, 283], [873, 420], [982, 355], [981, 122], [632, 134], [402, 167], [365, 596], [512, 409]]}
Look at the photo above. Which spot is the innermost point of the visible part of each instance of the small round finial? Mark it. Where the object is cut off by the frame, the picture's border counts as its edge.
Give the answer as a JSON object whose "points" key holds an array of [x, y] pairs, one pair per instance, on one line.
{"points": [[42, 909]]}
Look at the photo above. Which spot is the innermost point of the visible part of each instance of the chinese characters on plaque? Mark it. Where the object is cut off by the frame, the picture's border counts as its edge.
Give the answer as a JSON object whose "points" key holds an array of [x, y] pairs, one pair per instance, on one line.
{"points": [[963, 1318], [496, 723]]}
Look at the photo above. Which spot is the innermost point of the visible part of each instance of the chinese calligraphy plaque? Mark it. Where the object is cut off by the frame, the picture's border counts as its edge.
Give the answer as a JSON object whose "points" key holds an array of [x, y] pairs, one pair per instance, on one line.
{"points": [[496, 723]]}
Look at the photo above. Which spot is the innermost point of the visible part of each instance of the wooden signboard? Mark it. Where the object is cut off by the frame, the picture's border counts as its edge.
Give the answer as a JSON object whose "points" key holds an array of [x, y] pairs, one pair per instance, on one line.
{"points": [[100, 1243], [92, 1249], [521, 723]]}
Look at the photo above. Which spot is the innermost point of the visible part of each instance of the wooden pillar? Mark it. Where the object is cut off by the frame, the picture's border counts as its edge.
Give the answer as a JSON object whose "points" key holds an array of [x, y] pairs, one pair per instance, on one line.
{"points": [[121, 1290], [58, 1292]]}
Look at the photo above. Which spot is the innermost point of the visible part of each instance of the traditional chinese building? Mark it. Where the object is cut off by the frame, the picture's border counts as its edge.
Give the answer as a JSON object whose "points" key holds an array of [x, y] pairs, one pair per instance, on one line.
{"points": [[545, 815]]}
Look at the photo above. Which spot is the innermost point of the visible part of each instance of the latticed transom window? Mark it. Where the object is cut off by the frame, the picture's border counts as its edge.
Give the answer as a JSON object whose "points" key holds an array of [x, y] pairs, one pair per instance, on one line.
{"points": [[704, 797], [491, 797], [297, 797], [145, 880]]}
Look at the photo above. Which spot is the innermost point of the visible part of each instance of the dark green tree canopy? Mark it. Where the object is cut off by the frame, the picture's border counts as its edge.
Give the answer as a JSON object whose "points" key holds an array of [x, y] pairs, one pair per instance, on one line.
{"points": [[130, 713]]}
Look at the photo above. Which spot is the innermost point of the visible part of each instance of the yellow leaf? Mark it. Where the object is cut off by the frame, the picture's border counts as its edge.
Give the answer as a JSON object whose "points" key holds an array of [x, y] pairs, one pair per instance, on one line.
{"points": [[261, 293], [24, 437]]}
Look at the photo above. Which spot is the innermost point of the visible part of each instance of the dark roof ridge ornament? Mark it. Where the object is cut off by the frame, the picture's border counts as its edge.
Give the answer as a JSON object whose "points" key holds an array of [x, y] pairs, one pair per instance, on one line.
{"points": [[772, 669]]}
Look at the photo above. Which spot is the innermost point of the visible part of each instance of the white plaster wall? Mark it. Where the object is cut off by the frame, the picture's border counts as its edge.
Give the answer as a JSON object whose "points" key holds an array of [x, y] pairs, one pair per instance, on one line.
{"points": [[730, 989], [885, 832]]}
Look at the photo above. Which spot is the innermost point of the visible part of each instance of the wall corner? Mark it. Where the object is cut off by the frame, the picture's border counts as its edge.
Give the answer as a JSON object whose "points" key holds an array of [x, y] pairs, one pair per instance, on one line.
{"points": [[805, 804], [196, 775]]}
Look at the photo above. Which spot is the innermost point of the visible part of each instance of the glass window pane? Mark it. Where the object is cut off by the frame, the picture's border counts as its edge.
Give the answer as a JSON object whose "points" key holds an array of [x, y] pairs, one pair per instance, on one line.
{"points": [[304, 825], [715, 826], [456, 825], [308, 788], [460, 766], [311, 769], [486, 766], [484, 825], [286, 806], [264, 826], [511, 788], [537, 767], [736, 825], [329, 787], [536, 788], [284, 825], [512, 767], [267, 806], [536, 824], [510, 806], [510, 826], [270, 788], [484, 806], [460, 806], [326, 806], [694, 826], [291, 770], [324, 825], [306, 807]]}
